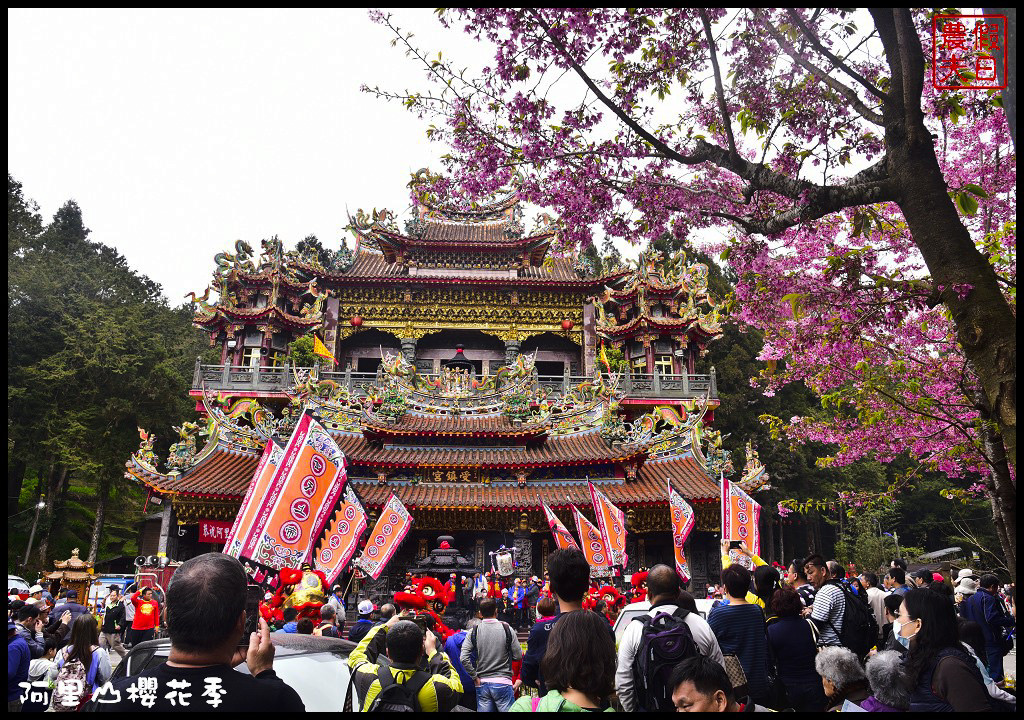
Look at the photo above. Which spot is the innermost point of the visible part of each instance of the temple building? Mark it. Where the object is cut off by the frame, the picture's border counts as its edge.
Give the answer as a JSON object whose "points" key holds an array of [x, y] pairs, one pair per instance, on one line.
{"points": [[470, 381]]}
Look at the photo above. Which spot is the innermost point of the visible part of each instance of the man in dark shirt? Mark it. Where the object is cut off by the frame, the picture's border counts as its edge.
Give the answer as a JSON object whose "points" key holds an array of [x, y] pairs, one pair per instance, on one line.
{"points": [[113, 622], [70, 602], [363, 623], [205, 621], [986, 608]]}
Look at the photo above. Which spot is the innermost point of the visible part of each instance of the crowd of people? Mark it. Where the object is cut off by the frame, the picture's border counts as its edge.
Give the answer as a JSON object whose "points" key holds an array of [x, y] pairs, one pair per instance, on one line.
{"points": [[807, 637]]}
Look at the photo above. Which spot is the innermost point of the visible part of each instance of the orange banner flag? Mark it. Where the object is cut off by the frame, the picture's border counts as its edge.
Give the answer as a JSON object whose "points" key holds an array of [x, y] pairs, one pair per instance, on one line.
{"points": [[301, 497], [612, 522], [392, 526], [683, 520], [740, 515], [563, 538], [254, 494], [342, 538], [591, 544]]}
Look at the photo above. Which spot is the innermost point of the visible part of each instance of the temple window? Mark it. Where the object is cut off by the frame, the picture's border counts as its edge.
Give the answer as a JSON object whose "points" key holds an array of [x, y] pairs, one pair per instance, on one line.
{"points": [[276, 359], [663, 363], [251, 357]]}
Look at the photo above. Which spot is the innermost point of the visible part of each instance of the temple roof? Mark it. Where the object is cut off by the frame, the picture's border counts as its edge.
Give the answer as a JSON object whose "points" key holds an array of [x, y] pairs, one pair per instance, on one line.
{"points": [[226, 474], [428, 425], [572, 449], [648, 488], [404, 425]]}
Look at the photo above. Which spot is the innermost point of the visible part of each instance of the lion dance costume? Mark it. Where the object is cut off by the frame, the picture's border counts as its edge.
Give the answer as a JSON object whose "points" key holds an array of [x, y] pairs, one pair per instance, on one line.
{"points": [[427, 597], [304, 589]]}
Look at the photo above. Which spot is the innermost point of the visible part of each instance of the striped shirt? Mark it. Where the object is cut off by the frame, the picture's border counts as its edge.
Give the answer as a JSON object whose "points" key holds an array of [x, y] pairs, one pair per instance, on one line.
{"points": [[740, 632]]}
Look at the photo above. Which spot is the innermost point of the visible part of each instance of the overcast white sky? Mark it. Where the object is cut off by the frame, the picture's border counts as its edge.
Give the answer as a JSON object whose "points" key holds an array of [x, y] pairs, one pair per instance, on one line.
{"points": [[179, 132]]}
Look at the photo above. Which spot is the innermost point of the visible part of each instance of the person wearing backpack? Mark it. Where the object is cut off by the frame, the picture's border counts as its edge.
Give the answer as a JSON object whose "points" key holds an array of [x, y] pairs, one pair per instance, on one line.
{"points": [[82, 667], [843, 618], [398, 682], [655, 643], [496, 648]]}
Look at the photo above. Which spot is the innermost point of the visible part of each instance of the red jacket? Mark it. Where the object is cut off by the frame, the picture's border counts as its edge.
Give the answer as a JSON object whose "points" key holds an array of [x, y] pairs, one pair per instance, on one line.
{"points": [[147, 613]]}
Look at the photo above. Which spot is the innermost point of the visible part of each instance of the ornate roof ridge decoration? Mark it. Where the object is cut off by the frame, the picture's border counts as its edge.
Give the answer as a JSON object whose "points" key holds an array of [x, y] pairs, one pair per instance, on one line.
{"points": [[237, 275], [72, 563], [754, 475], [686, 285]]}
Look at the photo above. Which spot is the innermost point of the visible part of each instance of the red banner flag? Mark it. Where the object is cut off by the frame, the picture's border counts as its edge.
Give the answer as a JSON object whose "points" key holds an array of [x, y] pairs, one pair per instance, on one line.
{"points": [[389, 532], [563, 538], [740, 515], [242, 528], [303, 494], [683, 520], [591, 544], [342, 538], [612, 523]]}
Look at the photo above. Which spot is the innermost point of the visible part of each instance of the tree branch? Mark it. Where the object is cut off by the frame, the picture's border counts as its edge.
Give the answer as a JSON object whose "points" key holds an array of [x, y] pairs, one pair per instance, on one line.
{"points": [[835, 60], [718, 84], [855, 102]]}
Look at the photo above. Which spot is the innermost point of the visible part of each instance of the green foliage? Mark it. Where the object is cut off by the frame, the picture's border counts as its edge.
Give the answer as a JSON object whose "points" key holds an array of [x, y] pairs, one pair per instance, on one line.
{"points": [[301, 351], [94, 353]]}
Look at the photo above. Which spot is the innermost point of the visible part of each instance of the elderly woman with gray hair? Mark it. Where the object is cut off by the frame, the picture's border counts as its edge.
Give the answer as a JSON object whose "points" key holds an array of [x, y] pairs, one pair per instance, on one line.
{"points": [[885, 676], [842, 677]]}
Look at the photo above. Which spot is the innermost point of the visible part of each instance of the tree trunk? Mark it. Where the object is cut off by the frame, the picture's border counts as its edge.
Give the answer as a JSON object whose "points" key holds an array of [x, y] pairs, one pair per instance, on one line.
{"points": [[1000, 486], [769, 543], [809, 527], [97, 528], [15, 479], [56, 490], [782, 541], [985, 325]]}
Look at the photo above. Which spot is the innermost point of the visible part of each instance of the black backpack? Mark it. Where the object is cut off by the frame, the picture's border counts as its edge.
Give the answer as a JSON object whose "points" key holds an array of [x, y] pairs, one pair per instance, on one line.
{"points": [[860, 629], [665, 641], [398, 697]]}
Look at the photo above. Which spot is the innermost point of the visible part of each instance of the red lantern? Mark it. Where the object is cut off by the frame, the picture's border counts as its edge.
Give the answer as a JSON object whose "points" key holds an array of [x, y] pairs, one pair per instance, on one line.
{"points": [[567, 324], [356, 321]]}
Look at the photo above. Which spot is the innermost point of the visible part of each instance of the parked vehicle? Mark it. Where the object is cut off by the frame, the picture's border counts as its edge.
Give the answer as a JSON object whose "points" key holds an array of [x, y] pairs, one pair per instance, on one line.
{"points": [[316, 667], [16, 583]]}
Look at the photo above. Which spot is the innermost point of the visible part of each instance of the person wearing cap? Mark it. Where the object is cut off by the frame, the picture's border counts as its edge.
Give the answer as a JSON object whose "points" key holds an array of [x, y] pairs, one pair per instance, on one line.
{"points": [[963, 590], [364, 623], [35, 593], [70, 597]]}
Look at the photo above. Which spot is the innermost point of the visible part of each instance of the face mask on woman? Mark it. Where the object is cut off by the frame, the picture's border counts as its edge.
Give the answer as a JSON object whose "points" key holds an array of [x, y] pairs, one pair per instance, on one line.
{"points": [[897, 629]]}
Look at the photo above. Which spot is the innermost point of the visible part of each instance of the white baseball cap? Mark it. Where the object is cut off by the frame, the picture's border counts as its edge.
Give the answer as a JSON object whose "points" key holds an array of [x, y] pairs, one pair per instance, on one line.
{"points": [[34, 589], [366, 607]]}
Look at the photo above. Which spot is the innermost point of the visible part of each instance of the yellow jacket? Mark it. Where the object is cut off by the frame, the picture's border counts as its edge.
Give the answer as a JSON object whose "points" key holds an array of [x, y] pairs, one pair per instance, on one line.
{"points": [[440, 694]]}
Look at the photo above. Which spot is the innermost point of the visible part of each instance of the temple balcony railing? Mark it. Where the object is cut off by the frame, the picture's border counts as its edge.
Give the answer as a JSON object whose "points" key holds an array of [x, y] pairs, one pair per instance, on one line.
{"points": [[275, 380]]}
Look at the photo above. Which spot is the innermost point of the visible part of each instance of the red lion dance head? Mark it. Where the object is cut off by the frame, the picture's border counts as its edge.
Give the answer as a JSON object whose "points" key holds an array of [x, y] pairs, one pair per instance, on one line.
{"points": [[639, 582], [427, 597]]}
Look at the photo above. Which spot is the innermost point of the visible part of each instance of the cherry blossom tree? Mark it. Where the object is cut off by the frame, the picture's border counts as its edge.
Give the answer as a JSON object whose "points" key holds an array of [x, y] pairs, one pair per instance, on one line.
{"points": [[815, 136]]}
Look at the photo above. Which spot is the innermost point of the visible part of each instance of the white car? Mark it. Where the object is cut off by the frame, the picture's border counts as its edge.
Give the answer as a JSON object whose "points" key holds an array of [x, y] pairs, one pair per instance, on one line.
{"points": [[16, 583], [637, 609]]}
